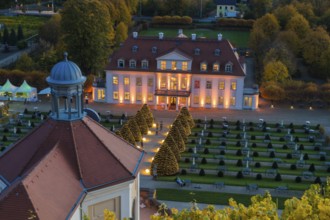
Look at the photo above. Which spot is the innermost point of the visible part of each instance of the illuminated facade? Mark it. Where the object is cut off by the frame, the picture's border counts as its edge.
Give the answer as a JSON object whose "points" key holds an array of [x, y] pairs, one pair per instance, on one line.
{"points": [[176, 72]]}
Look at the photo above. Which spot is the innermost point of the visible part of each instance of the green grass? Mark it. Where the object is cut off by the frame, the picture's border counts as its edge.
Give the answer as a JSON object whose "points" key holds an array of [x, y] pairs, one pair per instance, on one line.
{"points": [[216, 198], [237, 38]]}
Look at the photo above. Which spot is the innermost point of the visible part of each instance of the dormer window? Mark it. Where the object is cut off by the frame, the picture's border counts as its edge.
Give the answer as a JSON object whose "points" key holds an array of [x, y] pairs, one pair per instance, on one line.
{"points": [[144, 64], [135, 49], [121, 63], [197, 51], [132, 64], [174, 65], [217, 52], [229, 68], [154, 49], [203, 66], [216, 67]]}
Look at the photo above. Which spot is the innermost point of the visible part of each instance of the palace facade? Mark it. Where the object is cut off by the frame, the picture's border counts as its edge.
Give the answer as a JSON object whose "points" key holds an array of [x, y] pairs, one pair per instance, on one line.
{"points": [[176, 72]]}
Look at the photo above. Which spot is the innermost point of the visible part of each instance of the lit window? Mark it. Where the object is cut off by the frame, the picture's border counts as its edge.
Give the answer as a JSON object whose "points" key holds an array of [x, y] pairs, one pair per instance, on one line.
{"points": [[208, 100], [173, 65], [184, 83], [139, 96], [197, 51], [150, 82], [228, 68], [222, 85], [150, 97], [233, 101], [184, 66], [162, 65], [144, 64], [220, 100], [126, 81], [203, 66], [100, 94], [163, 82], [121, 63], [233, 85], [216, 67], [196, 84], [115, 95], [196, 99], [126, 95], [115, 80], [217, 52], [132, 64], [138, 81], [161, 99], [209, 84]]}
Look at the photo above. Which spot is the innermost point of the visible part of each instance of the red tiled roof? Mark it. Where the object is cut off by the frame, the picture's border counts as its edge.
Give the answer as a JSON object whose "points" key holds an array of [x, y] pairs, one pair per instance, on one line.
{"points": [[57, 162], [184, 46]]}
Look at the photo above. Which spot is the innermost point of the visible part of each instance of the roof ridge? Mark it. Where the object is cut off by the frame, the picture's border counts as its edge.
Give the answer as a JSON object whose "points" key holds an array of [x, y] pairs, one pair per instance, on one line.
{"points": [[76, 152]]}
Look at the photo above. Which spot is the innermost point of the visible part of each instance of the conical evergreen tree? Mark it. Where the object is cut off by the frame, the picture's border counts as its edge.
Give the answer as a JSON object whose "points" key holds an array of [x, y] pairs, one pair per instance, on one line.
{"points": [[147, 115], [117, 132], [12, 38], [185, 123], [141, 122], [173, 146], [5, 37], [127, 134], [134, 127], [187, 114], [181, 129], [165, 162], [20, 35], [175, 133]]}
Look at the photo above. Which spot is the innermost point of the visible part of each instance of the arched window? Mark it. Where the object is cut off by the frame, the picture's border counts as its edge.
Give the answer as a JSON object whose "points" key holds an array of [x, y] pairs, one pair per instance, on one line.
{"points": [[132, 63], [203, 66], [197, 51], [144, 64], [229, 68], [135, 48], [121, 63]]}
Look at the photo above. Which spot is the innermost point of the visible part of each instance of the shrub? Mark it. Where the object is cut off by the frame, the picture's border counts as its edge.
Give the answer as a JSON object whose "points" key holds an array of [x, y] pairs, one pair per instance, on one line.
{"points": [[251, 123], [255, 154], [285, 146], [220, 174], [204, 161], [32, 124], [222, 152], [211, 121], [190, 150], [210, 134], [238, 144], [5, 130], [239, 175], [293, 167], [306, 156], [211, 126], [278, 130], [298, 179], [316, 148], [202, 172], [222, 163], [196, 134], [272, 154], [281, 139], [238, 136], [291, 125], [239, 152], [311, 139], [311, 168], [257, 165], [2, 149], [18, 131], [274, 166], [301, 147], [19, 123], [328, 170], [267, 137], [193, 141], [26, 111], [259, 176], [318, 180], [198, 126], [22, 44], [238, 123], [251, 129], [278, 177], [4, 138], [254, 145], [223, 143], [183, 172], [187, 160], [208, 142], [322, 158], [296, 139], [238, 128], [239, 163], [206, 151], [289, 156], [292, 131], [269, 145], [253, 137]]}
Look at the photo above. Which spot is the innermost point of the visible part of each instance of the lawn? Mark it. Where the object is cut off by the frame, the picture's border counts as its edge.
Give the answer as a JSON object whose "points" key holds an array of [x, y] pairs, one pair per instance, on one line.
{"points": [[237, 38], [216, 198]]}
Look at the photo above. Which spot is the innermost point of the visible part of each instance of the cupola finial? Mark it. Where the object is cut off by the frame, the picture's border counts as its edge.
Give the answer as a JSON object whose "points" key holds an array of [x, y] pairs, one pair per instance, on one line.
{"points": [[66, 56]]}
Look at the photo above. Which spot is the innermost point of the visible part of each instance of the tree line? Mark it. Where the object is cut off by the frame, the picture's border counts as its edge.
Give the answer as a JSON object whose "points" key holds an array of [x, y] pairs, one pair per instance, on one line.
{"points": [[11, 37]]}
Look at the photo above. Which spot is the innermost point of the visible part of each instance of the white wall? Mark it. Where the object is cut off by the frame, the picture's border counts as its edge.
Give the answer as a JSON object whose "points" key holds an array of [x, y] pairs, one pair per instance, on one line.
{"points": [[77, 214]]}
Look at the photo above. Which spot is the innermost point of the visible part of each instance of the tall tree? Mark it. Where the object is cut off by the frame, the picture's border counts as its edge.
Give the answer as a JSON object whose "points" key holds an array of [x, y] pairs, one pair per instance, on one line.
{"points": [[51, 30], [275, 71], [5, 37], [299, 25], [25, 63], [164, 162], [284, 13], [88, 33], [121, 33], [20, 35], [260, 7], [12, 38]]}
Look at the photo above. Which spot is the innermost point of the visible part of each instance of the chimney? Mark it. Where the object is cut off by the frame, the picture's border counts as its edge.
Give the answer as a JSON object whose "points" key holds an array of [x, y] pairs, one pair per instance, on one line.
{"points": [[135, 34], [161, 35], [219, 37], [193, 36]]}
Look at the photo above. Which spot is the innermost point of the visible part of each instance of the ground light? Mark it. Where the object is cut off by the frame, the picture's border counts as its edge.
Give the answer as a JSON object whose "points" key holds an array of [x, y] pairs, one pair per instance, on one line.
{"points": [[147, 171], [291, 107]]}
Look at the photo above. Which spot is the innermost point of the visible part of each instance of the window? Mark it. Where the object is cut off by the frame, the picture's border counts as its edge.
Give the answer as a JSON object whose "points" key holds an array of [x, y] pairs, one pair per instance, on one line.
{"points": [[96, 211], [126, 81], [144, 64], [217, 52], [216, 67], [247, 101], [197, 51], [115, 80], [233, 85], [100, 94], [184, 66], [163, 82], [208, 100], [135, 48], [173, 65], [126, 95], [138, 81], [196, 84], [132, 64], [232, 101], [231, 7], [115, 95], [184, 83], [203, 66], [220, 7], [162, 65], [154, 49], [196, 99], [220, 100], [138, 96], [228, 68], [209, 84], [150, 82], [121, 63], [150, 97], [222, 85]]}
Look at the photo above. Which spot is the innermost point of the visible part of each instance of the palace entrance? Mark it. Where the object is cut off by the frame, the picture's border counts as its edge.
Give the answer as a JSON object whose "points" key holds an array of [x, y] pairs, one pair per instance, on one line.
{"points": [[173, 101]]}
